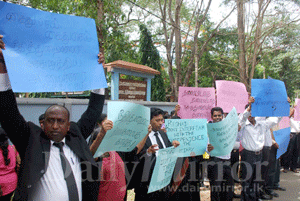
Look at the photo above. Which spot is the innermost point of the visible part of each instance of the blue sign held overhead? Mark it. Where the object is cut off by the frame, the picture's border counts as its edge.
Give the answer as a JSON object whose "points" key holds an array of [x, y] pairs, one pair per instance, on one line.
{"points": [[270, 98], [49, 52]]}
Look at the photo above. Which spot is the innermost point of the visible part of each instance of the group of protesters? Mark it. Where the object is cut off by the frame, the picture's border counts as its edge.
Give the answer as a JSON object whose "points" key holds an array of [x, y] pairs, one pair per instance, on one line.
{"points": [[57, 162]]}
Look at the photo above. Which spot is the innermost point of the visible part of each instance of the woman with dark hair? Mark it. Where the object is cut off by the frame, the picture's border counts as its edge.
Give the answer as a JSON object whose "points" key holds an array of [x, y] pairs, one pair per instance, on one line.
{"points": [[8, 166]]}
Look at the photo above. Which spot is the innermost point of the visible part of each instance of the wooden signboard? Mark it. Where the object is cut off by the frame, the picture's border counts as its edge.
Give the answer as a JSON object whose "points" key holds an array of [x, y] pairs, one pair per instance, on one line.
{"points": [[132, 90]]}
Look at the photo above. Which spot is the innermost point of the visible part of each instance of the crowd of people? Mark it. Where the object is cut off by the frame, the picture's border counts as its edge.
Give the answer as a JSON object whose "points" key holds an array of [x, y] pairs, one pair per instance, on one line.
{"points": [[54, 160]]}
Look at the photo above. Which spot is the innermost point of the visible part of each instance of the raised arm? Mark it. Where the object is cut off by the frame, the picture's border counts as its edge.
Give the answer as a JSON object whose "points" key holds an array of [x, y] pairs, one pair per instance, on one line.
{"points": [[272, 121], [106, 125], [246, 114], [89, 118], [10, 118], [141, 144], [242, 121]]}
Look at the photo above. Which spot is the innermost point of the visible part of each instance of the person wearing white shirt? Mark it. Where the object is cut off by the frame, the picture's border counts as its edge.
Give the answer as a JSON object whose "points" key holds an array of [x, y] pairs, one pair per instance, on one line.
{"points": [[252, 139], [220, 178], [265, 160], [56, 161], [290, 159]]}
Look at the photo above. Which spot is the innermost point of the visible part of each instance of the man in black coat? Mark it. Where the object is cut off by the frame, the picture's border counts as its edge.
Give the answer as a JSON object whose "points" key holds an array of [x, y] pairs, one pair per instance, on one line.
{"points": [[44, 175], [157, 140]]}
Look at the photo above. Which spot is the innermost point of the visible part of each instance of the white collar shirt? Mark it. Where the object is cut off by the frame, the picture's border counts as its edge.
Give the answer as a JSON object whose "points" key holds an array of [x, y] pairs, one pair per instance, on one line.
{"points": [[153, 139], [52, 185], [295, 125], [253, 136], [268, 136]]}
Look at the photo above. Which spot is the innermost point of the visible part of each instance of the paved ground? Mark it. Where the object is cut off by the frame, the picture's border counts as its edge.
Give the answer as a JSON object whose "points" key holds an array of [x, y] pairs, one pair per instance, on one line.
{"points": [[289, 180]]}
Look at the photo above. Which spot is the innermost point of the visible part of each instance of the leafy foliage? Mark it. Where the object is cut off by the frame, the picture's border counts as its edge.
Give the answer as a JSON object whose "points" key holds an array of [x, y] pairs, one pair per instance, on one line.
{"points": [[150, 57]]}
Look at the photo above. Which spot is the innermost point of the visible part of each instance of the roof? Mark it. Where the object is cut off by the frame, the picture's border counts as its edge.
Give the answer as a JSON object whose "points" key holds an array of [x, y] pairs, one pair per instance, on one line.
{"points": [[131, 66]]}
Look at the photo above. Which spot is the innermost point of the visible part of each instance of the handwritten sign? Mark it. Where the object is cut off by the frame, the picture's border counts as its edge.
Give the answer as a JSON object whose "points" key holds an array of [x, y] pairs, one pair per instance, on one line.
{"points": [[191, 133], [49, 52], [297, 110], [270, 98], [222, 135], [231, 94], [164, 168], [196, 103], [130, 127], [282, 137]]}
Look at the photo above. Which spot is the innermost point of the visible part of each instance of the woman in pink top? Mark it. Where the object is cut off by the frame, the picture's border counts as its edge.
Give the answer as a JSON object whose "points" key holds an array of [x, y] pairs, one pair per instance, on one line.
{"points": [[8, 175]]}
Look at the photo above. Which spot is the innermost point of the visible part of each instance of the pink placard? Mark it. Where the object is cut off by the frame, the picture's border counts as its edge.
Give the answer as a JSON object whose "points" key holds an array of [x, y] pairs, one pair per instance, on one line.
{"points": [[231, 94], [284, 123], [297, 110], [196, 103]]}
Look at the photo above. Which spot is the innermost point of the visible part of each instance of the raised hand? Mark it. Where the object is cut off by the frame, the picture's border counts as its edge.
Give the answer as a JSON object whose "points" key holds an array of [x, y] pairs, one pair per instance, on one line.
{"points": [[101, 59]]}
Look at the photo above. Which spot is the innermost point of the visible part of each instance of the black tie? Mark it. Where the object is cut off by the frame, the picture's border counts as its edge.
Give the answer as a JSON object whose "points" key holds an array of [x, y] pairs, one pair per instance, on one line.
{"points": [[159, 143], [68, 173]]}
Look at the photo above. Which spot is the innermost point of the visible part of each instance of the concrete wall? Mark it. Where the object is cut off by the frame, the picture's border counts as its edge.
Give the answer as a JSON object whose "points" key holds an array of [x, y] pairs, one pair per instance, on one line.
{"points": [[32, 108]]}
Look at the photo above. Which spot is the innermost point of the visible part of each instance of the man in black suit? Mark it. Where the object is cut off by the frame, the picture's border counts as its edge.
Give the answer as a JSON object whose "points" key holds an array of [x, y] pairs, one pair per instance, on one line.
{"points": [[56, 161], [157, 140]]}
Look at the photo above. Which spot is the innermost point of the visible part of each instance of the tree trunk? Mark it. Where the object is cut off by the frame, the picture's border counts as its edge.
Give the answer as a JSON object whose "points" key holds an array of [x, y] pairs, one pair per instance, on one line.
{"points": [[196, 65], [100, 19], [241, 38], [178, 80]]}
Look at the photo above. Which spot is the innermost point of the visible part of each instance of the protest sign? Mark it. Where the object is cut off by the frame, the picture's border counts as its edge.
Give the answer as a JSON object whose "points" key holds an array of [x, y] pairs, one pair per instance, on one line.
{"points": [[191, 133], [164, 168], [196, 103], [131, 123], [297, 110], [282, 137], [222, 135], [50, 52], [284, 123], [270, 98], [231, 94]]}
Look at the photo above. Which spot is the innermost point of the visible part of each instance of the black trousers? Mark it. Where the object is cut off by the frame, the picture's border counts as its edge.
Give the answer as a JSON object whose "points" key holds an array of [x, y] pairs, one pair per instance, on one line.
{"points": [[189, 188], [221, 181], [290, 158], [270, 182], [235, 163], [265, 165], [7, 197], [251, 175]]}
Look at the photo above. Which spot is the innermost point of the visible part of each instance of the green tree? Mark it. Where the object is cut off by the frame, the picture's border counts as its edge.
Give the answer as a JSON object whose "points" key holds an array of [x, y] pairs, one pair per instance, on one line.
{"points": [[282, 61], [150, 57]]}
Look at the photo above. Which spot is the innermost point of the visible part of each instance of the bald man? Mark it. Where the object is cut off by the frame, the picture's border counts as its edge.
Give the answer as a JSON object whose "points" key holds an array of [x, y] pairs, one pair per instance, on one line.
{"points": [[56, 161]]}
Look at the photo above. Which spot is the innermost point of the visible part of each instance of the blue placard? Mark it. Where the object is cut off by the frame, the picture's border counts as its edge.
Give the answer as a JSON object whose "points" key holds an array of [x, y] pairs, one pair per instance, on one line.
{"points": [[222, 135], [49, 52], [270, 98], [164, 168], [191, 133], [131, 123], [282, 137]]}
